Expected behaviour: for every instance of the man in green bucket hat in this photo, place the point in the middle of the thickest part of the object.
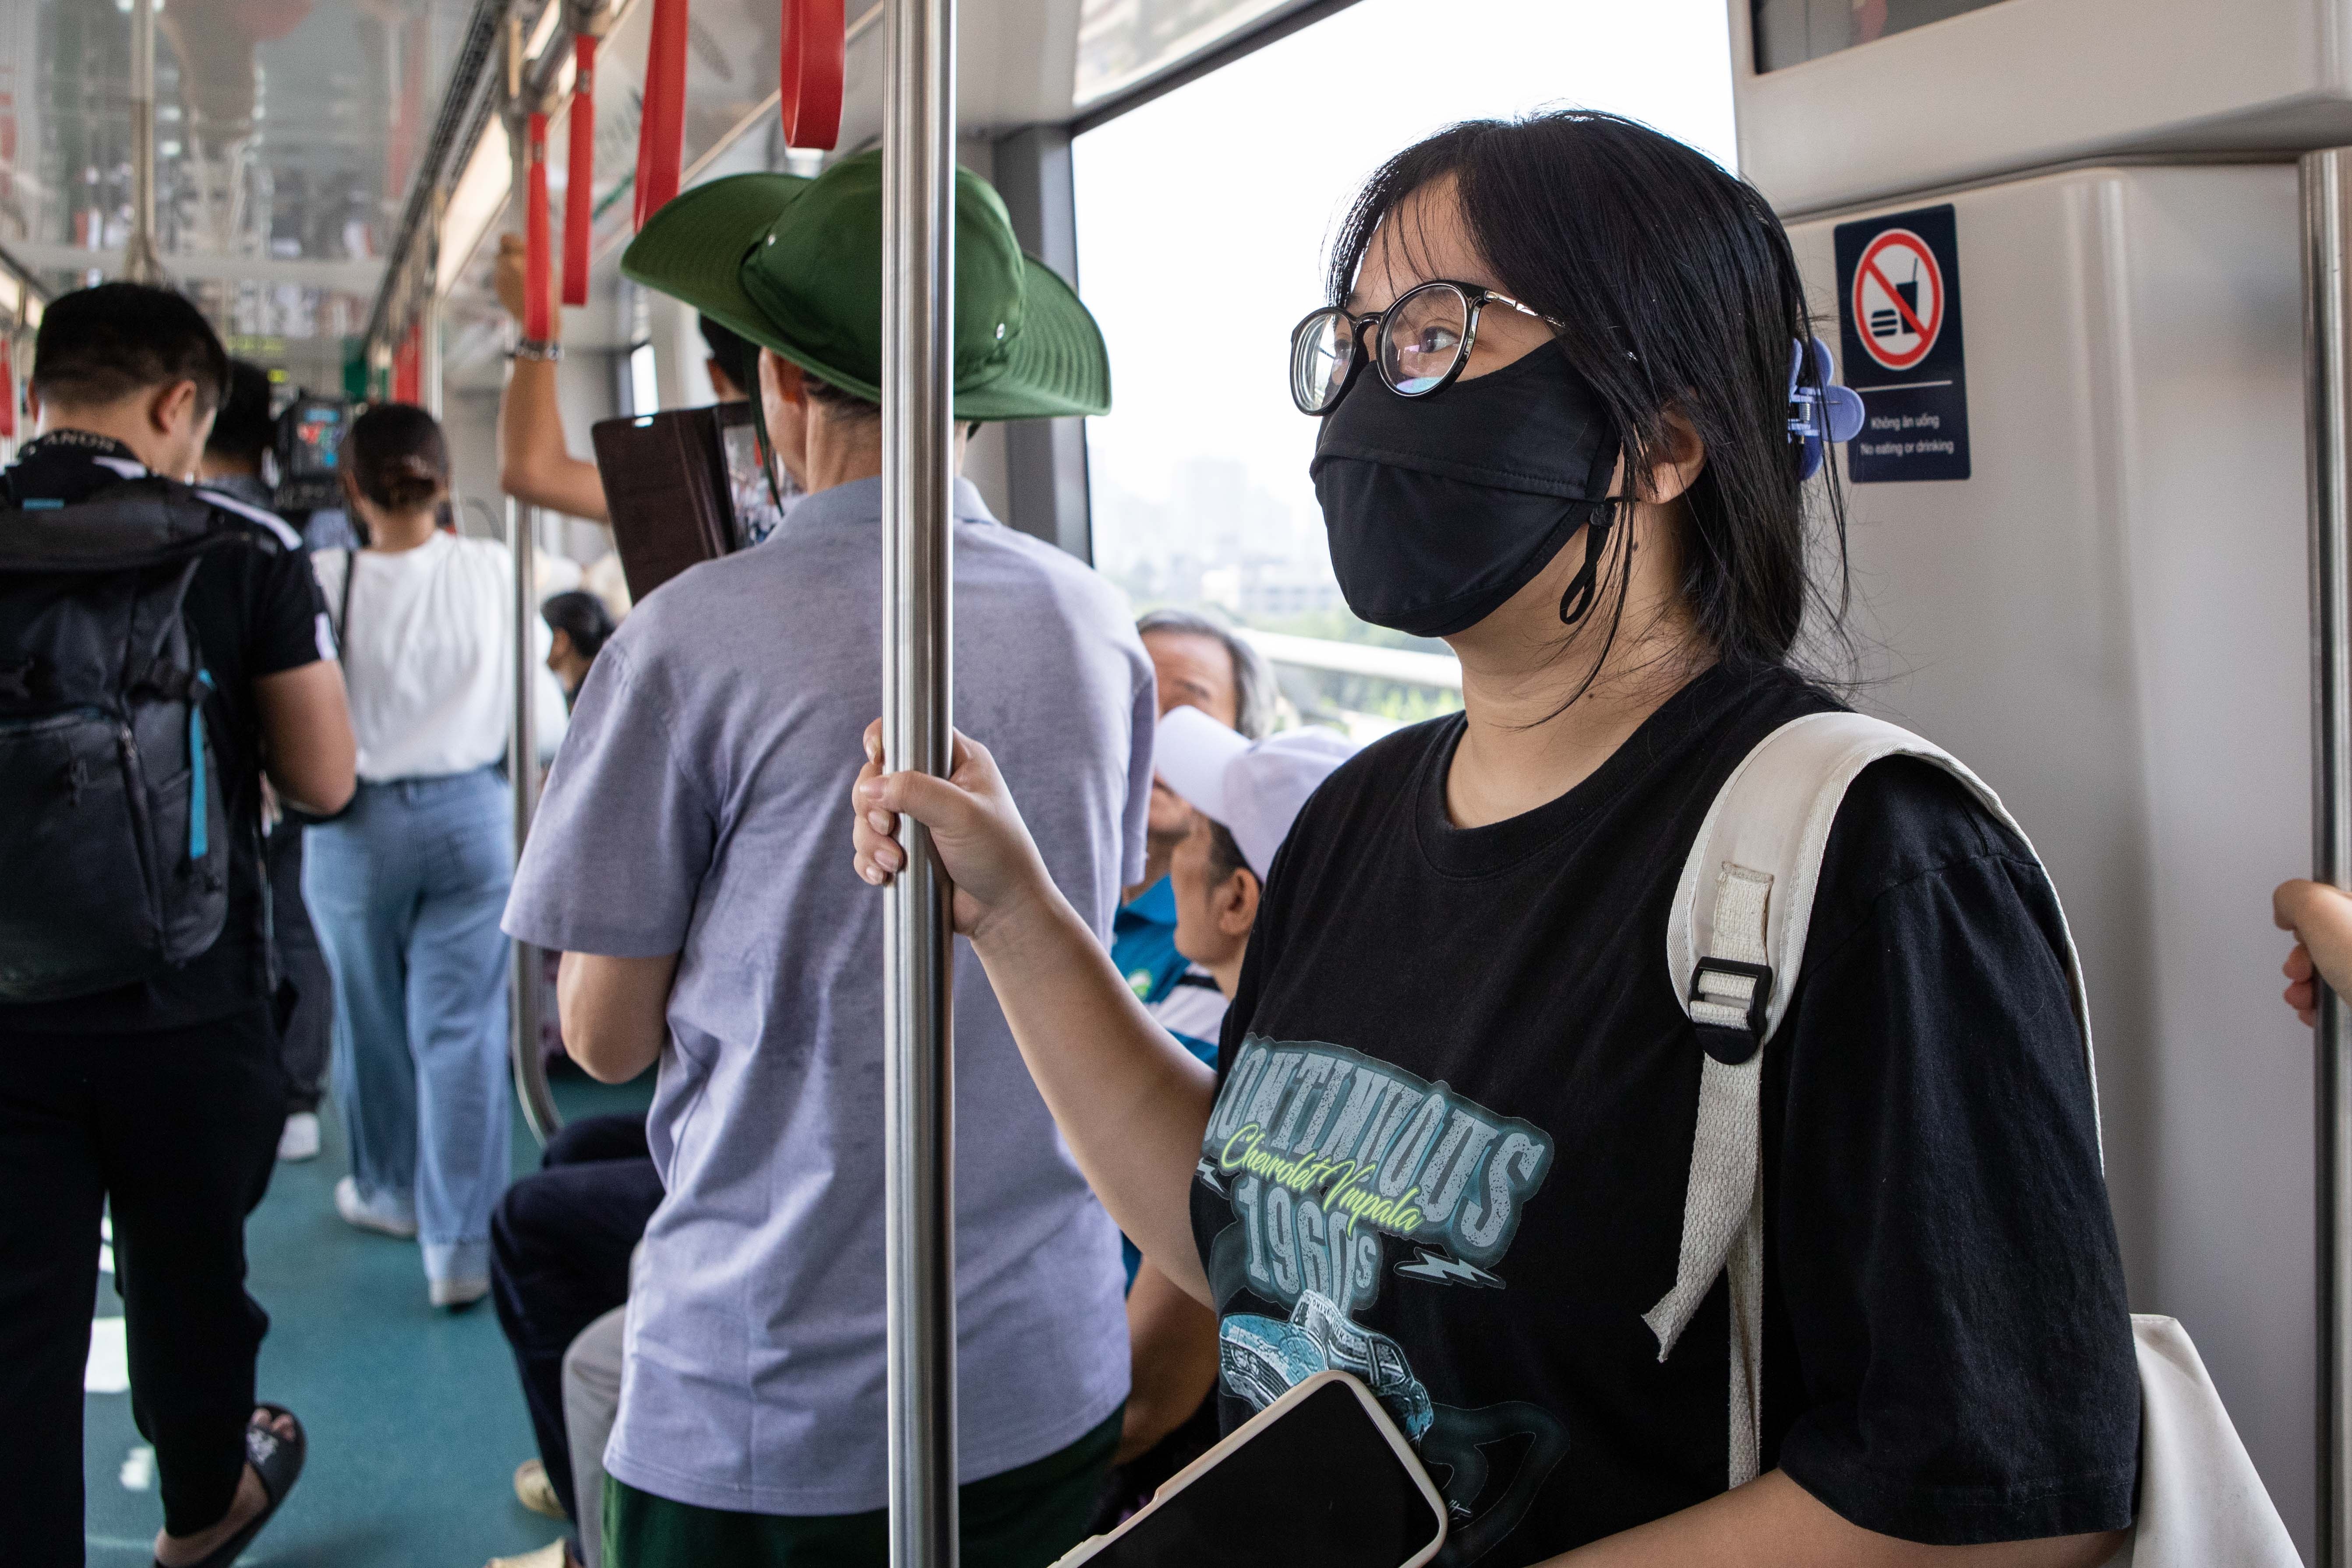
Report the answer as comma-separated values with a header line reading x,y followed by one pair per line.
x,y
796,265
687,861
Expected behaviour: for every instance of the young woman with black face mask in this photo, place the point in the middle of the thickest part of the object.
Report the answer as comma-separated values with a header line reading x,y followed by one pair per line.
x,y
1451,1133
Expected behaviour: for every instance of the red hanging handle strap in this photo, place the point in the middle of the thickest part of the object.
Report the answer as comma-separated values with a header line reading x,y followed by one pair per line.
x,y
537,318
661,138
8,387
580,171
408,366
810,75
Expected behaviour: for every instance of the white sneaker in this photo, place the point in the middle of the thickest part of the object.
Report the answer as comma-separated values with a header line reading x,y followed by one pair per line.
x,y
298,1139
535,1491
455,1292
357,1211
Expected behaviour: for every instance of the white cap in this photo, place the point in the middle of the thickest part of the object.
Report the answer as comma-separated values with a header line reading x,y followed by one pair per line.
x,y
1254,788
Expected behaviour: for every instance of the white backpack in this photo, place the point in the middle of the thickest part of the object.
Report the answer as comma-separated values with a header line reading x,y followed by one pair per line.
x,y
1735,943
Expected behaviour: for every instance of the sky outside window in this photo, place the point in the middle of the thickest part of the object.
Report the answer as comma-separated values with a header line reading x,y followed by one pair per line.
x,y
1204,219
1123,41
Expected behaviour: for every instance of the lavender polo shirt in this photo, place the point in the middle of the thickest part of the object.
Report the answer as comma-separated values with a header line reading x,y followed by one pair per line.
x,y
701,805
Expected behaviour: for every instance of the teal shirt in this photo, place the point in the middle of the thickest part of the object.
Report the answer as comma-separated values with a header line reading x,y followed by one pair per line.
x,y
1144,942
1143,945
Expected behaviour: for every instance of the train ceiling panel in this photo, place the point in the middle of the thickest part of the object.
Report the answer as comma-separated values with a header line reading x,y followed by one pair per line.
x,y
1016,64
289,134
286,133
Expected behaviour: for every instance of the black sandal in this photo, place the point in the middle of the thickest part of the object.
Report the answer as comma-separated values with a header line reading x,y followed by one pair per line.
x,y
279,1462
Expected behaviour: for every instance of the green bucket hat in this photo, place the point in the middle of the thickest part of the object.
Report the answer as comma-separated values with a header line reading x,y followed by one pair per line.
x,y
796,265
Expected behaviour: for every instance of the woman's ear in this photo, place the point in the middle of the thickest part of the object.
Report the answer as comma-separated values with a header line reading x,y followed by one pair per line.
x,y
1679,462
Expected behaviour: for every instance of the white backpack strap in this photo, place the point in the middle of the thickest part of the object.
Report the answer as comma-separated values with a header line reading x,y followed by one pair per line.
x,y
1735,943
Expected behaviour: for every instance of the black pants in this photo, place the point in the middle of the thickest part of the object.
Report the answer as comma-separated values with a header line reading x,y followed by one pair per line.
x,y
305,1027
178,1129
560,1244
1127,1487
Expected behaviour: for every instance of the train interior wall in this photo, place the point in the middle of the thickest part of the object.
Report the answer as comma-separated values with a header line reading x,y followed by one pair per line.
x,y
2107,620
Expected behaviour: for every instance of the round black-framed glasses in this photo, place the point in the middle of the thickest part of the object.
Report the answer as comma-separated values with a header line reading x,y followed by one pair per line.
x,y
1423,341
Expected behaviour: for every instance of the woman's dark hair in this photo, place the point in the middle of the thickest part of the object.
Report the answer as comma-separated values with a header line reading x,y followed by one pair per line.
x,y
581,616
1677,291
396,456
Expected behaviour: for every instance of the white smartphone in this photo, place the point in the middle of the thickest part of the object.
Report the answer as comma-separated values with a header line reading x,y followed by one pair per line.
x,y
1319,1479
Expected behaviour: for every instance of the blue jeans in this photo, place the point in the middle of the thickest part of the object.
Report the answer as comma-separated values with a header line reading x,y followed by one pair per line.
x,y
406,890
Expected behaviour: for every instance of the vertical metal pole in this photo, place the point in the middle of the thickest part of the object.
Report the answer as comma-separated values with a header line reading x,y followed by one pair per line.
x,y
2327,360
139,263
522,766
429,311
918,486
539,1109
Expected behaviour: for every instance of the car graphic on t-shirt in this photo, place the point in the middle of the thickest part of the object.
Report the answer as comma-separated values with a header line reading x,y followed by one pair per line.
x,y
1260,1359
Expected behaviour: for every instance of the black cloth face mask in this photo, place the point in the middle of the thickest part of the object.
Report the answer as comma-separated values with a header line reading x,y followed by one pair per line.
x,y
1441,508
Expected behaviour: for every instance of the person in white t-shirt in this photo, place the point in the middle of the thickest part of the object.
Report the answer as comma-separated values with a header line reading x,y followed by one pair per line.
x,y
406,887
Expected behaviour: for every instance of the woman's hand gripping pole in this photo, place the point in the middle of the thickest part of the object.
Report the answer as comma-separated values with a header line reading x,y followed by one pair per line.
x,y
1132,1103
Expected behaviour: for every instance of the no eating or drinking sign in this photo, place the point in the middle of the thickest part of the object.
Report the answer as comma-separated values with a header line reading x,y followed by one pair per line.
x,y
1899,322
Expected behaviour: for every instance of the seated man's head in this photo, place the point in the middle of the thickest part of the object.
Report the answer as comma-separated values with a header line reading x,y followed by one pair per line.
x,y
1217,895
138,364
1205,663
795,266
1242,796
242,430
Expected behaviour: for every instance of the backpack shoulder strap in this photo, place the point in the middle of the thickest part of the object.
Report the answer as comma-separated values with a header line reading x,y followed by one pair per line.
x,y
125,527
1748,884
1735,945
261,517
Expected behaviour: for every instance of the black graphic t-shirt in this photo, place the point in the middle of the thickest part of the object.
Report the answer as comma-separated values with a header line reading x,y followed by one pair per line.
x,y
1452,1136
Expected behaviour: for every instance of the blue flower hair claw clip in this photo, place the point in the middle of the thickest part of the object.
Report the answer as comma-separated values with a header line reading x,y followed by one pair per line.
x,y
1821,412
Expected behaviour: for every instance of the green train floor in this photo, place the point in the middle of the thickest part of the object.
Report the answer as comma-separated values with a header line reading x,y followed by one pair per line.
x,y
414,1417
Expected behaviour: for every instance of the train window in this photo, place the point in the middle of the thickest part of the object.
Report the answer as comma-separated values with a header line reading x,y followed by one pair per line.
x,y
644,387
1202,220
1120,42
1790,32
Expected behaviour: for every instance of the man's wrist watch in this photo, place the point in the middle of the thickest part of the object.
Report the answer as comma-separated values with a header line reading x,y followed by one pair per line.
x,y
538,348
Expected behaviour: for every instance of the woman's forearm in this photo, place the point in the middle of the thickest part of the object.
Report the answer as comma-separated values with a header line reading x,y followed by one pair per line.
x,y
1132,1103
1773,1522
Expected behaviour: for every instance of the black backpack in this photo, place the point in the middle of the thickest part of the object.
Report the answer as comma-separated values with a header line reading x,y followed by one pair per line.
x,y
114,831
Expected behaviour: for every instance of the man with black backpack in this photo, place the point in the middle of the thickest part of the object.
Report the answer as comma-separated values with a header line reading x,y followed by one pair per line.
x,y
159,649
